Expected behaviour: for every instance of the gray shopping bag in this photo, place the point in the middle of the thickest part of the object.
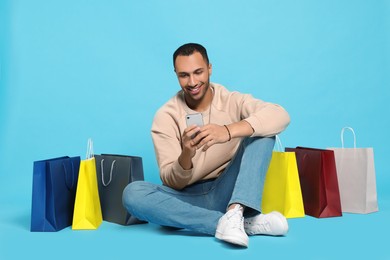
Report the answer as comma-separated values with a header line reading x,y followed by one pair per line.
x,y
114,173
356,176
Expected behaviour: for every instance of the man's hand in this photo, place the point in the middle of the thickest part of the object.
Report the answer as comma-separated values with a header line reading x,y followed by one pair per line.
x,y
195,137
216,134
211,134
189,146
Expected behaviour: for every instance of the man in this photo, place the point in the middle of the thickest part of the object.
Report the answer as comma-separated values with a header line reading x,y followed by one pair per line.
x,y
213,175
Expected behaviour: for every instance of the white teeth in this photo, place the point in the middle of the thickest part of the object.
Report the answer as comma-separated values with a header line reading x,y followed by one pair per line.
x,y
194,89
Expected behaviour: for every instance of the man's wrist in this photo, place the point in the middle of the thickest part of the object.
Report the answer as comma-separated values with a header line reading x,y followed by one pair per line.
x,y
240,129
185,163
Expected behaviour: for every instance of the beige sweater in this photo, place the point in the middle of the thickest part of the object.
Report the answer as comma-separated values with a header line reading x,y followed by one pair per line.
x,y
227,107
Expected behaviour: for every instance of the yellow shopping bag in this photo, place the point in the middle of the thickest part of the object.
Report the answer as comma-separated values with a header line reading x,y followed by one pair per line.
x,y
282,189
87,212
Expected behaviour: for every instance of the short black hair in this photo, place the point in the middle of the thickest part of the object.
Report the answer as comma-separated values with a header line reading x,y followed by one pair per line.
x,y
188,49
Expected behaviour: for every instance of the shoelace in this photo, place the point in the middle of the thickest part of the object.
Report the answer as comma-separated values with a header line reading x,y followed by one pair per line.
x,y
238,221
264,225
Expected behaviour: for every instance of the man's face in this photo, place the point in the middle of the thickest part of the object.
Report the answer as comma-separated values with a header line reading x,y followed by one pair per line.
x,y
194,76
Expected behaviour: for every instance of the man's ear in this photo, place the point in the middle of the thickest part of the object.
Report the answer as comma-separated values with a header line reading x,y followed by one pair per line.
x,y
210,68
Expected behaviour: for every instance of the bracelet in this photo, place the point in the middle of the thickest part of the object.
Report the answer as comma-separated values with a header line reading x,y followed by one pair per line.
x,y
230,137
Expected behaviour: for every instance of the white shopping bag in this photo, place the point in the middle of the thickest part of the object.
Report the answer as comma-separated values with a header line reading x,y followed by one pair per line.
x,y
356,175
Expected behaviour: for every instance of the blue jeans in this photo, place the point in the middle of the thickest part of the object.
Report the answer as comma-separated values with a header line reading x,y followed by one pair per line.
x,y
198,207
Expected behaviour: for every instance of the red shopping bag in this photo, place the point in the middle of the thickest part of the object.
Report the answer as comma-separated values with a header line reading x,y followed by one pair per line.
x,y
319,184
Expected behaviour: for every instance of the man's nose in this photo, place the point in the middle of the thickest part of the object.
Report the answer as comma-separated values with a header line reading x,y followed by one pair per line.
x,y
191,81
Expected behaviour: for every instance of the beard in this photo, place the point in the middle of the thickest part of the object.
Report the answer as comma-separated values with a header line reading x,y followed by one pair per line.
x,y
196,95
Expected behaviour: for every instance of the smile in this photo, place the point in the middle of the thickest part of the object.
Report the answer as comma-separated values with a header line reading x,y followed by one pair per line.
x,y
195,90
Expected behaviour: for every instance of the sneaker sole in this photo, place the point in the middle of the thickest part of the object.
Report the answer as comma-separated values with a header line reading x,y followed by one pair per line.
x,y
231,240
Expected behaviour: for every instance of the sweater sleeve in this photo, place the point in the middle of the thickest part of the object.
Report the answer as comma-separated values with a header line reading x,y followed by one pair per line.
x,y
167,144
266,119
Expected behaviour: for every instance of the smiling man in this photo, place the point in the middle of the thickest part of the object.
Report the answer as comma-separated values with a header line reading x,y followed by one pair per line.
x,y
212,172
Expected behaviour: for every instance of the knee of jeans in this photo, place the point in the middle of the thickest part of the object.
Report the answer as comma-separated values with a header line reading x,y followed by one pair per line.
x,y
263,141
134,193
270,141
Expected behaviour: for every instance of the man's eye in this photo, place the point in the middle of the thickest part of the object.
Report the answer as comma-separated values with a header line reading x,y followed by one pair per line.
x,y
199,72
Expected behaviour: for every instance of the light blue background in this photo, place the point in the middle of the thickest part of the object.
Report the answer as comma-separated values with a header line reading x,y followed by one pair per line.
x,y
70,70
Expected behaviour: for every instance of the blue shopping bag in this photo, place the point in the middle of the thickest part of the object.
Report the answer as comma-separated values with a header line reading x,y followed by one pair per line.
x,y
53,193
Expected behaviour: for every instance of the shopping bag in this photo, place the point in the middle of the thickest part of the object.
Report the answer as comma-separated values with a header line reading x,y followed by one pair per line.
x,y
53,193
356,176
282,189
318,178
114,173
87,211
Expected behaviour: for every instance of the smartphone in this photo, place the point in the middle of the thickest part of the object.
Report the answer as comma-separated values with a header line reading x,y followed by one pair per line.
x,y
194,119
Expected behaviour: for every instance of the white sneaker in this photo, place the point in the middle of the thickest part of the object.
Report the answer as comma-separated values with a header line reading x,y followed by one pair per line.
x,y
273,224
231,227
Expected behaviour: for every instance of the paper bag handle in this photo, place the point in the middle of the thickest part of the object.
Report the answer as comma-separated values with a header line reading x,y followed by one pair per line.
x,y
278,143
112,168
342,136
90,153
